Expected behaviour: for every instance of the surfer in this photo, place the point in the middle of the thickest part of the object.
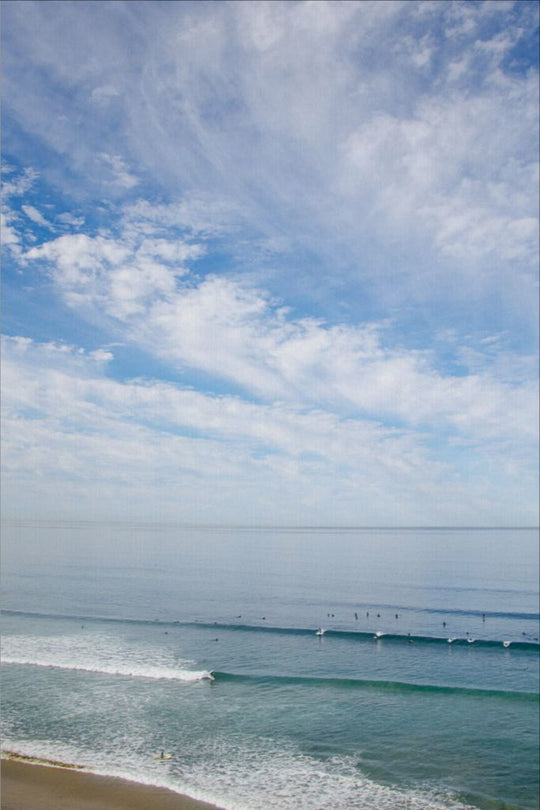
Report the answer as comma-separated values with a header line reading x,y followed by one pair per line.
x,y
356,616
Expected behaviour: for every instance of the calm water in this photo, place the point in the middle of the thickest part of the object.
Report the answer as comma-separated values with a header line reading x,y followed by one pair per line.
x,y
110,633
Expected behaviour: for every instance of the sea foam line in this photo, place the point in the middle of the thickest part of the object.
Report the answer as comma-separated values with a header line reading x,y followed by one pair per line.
x,y
152,673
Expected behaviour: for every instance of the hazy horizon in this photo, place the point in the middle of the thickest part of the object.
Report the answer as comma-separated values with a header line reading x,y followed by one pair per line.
x,y
183,525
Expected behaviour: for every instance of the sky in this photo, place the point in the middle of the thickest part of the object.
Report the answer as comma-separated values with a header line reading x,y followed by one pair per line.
x,y
271,263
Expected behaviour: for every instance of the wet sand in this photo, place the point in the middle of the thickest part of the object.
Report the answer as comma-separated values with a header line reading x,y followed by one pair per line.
x,y
28,786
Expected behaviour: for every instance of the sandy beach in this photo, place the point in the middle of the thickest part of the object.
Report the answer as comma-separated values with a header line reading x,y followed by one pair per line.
x,y
27,786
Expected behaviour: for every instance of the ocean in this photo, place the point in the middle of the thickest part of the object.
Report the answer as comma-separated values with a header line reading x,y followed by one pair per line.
x,y
296,669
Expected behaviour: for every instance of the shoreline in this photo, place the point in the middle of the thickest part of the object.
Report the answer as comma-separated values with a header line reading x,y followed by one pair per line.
x,y
28,783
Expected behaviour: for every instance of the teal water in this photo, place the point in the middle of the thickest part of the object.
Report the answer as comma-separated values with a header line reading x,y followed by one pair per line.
x,y
111,633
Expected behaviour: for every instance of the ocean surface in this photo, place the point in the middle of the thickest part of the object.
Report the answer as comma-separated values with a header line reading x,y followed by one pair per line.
x,y
120,641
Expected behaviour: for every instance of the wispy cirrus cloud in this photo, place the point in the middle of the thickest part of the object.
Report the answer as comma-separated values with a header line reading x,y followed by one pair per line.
x,y
289,111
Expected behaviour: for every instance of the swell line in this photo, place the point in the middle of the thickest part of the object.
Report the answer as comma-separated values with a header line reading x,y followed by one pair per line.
x,y
357,683
444,640
529,644
265,681
370,636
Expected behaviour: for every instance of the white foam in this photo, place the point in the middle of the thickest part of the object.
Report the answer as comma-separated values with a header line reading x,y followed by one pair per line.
x,y
96,653
265,776
250,778
227,768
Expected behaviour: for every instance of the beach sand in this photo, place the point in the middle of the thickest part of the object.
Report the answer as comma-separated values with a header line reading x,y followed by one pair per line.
x,y
28,786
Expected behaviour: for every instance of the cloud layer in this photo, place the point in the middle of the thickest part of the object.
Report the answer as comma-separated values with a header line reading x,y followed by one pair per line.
x,y
272,262
173,451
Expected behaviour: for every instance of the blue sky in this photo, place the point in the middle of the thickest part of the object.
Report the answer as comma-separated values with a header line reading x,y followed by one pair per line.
x,y
271,263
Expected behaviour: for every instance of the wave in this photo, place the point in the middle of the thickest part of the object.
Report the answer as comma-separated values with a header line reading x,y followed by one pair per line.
x,y
257,681
98,653
130,671
419,639
526,643
358,683
370,636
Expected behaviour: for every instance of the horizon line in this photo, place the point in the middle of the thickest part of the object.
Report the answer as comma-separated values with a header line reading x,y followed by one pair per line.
x,y
194,525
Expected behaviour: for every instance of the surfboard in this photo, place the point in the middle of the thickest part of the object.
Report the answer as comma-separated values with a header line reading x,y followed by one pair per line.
x,y
163,756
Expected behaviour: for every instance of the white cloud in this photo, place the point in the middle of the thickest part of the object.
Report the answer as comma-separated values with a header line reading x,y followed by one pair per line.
x,y
203,215
36,216
10,236
69,428
71,220
271,106
14,185
455,173
103,94
117,274
376,160
119,174
233,331
19,184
